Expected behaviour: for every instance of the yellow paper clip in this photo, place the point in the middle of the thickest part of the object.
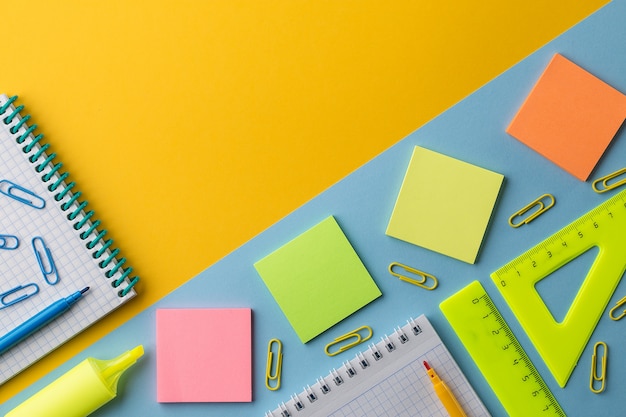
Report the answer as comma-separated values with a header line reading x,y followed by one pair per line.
x,y
619,304
594,369
423,276
272,379
354,334
541,208
605,181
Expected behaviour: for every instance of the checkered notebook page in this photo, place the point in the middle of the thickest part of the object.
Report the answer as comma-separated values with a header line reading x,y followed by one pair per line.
x,y
31,220
396,384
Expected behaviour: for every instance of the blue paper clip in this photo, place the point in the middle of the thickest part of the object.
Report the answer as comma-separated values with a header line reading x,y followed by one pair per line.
x,y
9,242
50,268
21,194
8,298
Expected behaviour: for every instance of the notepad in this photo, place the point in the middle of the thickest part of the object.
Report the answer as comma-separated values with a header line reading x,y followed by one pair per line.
x,y
51,245
204,355
444,204
569,117
388,379
317,279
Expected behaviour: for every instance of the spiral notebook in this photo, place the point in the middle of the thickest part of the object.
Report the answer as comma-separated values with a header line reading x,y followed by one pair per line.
x,y
51,245
388,379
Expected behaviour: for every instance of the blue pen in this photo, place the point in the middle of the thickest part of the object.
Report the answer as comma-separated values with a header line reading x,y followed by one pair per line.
x,y
39,320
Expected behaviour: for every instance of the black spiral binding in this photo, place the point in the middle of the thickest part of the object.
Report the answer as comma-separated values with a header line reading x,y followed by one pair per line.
x,y
72,200
337,377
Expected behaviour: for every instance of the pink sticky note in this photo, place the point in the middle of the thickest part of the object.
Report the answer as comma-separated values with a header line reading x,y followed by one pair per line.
x,y
570,117
204,355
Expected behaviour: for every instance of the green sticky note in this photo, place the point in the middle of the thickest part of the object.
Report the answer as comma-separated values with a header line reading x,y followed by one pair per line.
x,y
444,204
317,279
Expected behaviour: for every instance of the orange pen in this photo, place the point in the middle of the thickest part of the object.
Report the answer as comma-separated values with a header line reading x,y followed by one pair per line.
x,y
445,395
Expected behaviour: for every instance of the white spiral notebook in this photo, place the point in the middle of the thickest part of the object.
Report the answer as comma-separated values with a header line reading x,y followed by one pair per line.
x,y
388,379
51,245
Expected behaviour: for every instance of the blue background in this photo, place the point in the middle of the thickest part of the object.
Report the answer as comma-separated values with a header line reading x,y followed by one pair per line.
x,y
473,131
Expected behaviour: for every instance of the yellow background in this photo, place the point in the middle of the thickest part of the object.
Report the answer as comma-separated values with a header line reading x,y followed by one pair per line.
x,y
192,126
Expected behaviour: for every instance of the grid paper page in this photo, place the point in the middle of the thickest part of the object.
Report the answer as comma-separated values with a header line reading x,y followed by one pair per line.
x,y
394,385
74,263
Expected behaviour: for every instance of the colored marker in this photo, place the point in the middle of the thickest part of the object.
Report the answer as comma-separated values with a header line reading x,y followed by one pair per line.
x,y
39,320
445,395
81,390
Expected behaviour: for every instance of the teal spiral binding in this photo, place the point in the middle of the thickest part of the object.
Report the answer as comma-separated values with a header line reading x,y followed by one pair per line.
x,y
73,207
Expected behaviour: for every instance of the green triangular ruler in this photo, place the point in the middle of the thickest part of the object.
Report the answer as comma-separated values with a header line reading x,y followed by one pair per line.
x,y
560,344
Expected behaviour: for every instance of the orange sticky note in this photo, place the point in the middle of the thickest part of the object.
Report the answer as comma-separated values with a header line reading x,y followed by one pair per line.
x,y
204,355
570,117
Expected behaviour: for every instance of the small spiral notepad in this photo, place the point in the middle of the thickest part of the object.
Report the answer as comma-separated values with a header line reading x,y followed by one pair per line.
x,y
388,379
51,245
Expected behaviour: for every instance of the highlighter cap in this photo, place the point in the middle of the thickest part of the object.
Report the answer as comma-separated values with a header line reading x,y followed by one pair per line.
x,y
82,390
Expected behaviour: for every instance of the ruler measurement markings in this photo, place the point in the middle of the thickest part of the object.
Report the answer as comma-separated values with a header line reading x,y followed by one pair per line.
x,y
506,351
603,227
560,238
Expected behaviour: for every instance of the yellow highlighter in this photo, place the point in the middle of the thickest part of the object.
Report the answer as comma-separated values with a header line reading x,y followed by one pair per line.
x,y
445,395
82,390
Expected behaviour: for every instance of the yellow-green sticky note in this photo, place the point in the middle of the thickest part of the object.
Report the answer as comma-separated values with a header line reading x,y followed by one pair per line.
x,y
444,204
317,279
